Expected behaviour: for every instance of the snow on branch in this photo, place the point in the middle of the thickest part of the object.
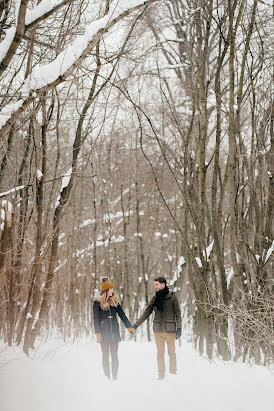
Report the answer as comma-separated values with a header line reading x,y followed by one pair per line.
x,y
113,203
98,243
65,182
14,36
43,10
6,43
11,191
171,66
31,17
50,75
269,252
206,255
6,214
178,270
208,250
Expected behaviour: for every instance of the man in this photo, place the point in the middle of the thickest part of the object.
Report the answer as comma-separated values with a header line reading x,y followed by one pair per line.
x,y
167,324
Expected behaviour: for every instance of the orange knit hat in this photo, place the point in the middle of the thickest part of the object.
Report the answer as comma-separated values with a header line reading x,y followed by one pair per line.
x,y
106,284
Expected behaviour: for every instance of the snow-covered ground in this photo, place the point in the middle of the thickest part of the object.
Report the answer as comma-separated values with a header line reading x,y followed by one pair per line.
x,y
68,377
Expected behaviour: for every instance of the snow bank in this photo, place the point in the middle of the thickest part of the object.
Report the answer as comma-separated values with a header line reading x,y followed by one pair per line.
x,y
69,377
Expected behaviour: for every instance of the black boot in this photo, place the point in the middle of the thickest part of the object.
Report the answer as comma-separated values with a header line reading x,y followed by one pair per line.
x,y
114,374
114,369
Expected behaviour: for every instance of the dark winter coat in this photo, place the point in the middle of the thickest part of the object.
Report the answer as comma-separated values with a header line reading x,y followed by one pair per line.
x,y
106,322
166,320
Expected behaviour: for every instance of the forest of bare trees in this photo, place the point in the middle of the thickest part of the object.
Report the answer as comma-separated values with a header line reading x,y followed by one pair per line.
x,y
136,140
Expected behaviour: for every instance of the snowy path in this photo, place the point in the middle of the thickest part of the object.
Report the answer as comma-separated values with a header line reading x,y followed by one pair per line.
x,y
70,379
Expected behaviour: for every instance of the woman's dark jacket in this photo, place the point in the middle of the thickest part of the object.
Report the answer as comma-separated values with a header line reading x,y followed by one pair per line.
x,y
106,322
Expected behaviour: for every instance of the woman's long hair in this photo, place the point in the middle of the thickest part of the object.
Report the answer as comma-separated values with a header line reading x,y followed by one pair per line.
x,y
107,300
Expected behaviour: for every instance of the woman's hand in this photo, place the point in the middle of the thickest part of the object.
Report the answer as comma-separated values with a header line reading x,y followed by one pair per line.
x,y
99,337
132,330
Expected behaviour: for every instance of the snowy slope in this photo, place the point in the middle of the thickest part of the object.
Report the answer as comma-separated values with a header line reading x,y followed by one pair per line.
x,y
69,378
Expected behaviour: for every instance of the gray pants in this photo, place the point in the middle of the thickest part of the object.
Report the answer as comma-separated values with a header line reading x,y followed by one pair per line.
x,y
110,347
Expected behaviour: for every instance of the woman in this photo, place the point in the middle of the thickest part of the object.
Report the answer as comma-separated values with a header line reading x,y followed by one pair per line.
x,y
105,309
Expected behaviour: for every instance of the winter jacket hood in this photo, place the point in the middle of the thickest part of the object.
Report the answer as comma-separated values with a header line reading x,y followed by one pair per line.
x,y
97,296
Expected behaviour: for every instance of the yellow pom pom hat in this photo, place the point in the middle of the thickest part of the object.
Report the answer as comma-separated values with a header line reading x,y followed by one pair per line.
x,y
106,284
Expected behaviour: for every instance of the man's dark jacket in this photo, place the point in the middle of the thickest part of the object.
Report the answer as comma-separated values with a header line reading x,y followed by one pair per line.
x,y
166,320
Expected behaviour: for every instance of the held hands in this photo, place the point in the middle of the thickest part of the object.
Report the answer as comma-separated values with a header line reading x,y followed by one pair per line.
x,y
132,330
178,333
99,337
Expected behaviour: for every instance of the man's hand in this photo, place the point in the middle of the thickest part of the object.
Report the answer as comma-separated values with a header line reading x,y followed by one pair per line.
x,y
99,337
132,330
178,333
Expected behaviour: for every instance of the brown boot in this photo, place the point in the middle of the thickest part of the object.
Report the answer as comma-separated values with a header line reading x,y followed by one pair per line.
x,y
161,376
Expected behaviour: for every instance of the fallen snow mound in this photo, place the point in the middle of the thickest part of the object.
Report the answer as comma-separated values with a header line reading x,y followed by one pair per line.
x,y
68,377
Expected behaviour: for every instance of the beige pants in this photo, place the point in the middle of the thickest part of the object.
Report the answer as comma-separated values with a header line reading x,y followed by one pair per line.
x,y
161,339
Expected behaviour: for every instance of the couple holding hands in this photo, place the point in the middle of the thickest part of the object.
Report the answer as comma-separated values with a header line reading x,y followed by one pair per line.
x,y
167,325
